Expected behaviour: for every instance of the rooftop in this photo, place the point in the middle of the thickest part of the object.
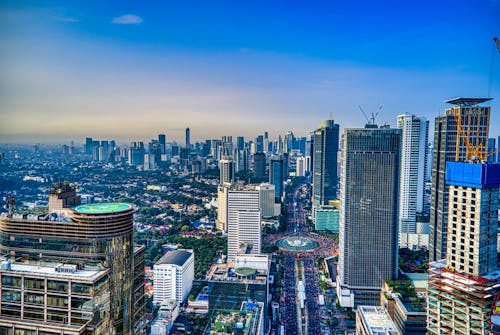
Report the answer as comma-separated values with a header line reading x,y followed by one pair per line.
x,y
102,208
51,270
377,321
176,257
467,101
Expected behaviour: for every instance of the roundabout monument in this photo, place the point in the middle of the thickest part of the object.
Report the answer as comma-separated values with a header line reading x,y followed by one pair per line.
x,y
297,244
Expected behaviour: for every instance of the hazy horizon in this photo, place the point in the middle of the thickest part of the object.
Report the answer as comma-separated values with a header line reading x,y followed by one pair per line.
x,y
129,71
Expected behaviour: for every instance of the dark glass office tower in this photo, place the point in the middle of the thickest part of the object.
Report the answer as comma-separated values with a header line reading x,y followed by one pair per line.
x,y
94,240
325,148
369,195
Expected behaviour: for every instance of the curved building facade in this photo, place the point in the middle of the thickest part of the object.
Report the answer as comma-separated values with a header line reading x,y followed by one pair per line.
x,y
88,237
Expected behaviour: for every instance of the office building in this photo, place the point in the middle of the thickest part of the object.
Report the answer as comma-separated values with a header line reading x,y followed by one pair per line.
x,y
415,136
406,307
259,166
162,139
325,148
371,320
173,276
92,247
450,146
188,139
369,194
277,176
267,205
226,171
464,289
232,283
243,222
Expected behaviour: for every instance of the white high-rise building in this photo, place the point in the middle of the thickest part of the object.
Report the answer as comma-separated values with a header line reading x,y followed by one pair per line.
x,y
243,221
226,166
415,135
267,205
173,276
301,167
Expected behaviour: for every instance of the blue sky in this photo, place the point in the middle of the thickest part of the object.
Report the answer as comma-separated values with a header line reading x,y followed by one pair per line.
x,y
132,69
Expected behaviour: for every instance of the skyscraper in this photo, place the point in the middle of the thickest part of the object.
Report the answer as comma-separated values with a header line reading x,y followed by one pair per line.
x,y
475,121
243,222
259,166
369,195
463,294
162,139
188,138
415,134
325,148
79,266
277,176
227,169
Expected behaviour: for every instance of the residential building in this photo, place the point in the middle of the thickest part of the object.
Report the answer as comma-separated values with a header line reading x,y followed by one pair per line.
x,y
415,135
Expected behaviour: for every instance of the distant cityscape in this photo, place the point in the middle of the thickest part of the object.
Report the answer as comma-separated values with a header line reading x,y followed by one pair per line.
x,y
370,230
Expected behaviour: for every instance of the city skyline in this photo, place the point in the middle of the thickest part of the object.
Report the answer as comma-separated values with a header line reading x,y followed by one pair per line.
x,y
76,70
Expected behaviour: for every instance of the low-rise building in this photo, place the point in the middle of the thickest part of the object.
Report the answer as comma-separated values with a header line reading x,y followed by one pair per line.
x,y
374,320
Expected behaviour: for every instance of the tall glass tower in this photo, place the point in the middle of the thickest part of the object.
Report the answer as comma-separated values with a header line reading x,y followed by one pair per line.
x,y
87,244
325,148
368,229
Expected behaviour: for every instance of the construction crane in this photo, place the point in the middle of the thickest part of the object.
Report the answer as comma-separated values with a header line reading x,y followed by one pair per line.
x,y
370,120
476,150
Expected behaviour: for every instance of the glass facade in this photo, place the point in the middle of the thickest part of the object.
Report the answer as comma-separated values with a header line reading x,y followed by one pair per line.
x,y
101,241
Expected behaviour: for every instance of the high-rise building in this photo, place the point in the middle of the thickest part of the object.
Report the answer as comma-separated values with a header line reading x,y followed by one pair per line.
x,y
464,289
75,270
162,139
277,176
240,142
415,134
300,170
267,205
243,222
325,148
449,146
369,195
259,166
173,276
492,148
227,170
188,139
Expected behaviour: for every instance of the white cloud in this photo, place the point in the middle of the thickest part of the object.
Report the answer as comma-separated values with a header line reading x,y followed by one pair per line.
x,y
127,19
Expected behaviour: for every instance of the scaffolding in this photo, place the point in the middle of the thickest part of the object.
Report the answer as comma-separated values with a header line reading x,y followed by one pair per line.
x,y
459,304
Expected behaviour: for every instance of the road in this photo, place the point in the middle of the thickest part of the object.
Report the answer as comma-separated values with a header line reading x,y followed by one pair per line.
x,y
308,321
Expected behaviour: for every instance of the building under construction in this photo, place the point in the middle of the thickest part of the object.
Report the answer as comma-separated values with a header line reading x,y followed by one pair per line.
x,y
464,288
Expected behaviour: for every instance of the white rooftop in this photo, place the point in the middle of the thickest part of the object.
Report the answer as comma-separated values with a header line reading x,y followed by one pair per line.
x,y
51,271
377,321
